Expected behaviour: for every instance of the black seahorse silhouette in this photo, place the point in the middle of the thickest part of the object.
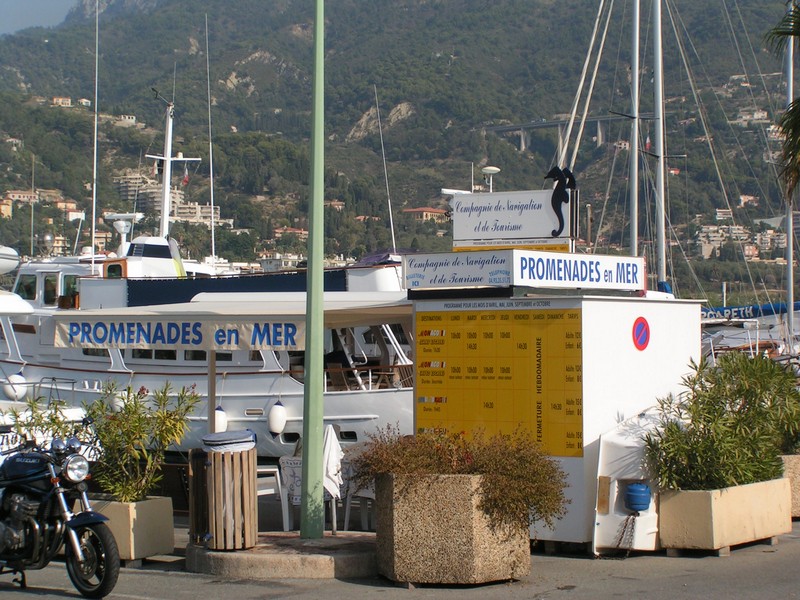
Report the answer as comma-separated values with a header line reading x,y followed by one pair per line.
x,y
571,185
560,196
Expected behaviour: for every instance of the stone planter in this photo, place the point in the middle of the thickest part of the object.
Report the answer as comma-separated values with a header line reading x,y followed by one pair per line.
x,y
719,519
791,470
430,530
141,529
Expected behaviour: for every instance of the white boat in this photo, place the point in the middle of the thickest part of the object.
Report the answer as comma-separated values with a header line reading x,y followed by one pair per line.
x,y
367,340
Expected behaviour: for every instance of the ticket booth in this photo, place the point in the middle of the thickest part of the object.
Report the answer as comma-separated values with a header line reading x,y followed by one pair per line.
x,y
567,345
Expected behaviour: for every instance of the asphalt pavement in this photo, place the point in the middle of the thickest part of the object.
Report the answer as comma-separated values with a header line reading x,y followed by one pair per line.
x,y
753,571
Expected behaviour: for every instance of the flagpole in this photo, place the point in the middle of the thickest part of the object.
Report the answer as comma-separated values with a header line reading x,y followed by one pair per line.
x,y
312,515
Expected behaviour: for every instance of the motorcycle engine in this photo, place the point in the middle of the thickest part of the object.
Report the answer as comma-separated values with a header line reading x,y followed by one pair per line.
x,y
18,509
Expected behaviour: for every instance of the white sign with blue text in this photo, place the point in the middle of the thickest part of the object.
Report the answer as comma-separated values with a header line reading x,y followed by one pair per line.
x,y
156,333
528,268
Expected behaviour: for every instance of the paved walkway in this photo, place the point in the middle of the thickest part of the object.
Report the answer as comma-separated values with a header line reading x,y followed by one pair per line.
x,y
752,571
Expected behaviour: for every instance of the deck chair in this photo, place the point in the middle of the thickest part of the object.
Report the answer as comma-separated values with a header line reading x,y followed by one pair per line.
x,y
292,482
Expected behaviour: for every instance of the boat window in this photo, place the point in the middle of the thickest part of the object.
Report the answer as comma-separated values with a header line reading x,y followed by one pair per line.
x,y
114,271
255,356
224,356
194,355
26,286
70,285
50,288
95,352
149,251
400,333
141,353
166,355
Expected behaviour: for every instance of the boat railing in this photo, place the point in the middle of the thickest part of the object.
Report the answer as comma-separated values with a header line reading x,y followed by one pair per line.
x,y
48,390
367,378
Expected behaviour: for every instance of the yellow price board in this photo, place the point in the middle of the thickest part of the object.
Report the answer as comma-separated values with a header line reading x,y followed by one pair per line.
x,y
500,369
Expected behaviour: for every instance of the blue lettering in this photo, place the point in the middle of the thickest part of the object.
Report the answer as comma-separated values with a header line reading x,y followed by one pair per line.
x,y
100,332
143,333
197,331
86,332
158,334
289,331
219,337
116,333
173,333
74,329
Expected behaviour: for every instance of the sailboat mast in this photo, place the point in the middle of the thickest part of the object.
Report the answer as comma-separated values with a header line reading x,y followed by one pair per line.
x,y
790,205
633,171
658,89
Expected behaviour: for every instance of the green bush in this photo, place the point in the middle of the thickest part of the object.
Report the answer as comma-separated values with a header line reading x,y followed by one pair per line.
x,y
520,484
43,421
728,427
134,430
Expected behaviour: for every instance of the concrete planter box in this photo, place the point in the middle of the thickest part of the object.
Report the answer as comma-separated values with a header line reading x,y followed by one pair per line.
x,y
719,519
430,530
141,529
791,470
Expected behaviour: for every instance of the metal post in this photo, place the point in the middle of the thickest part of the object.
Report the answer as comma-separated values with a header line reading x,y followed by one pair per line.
x,y
633,170
312,510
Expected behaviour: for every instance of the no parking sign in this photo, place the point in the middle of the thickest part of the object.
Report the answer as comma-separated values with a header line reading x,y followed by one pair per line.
x,y
641,333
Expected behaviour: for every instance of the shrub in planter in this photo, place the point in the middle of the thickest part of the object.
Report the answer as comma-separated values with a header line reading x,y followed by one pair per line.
x,y
728,427
134,430
457,509
724,433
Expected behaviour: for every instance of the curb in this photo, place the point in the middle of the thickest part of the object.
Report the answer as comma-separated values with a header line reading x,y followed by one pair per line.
x,y
289,559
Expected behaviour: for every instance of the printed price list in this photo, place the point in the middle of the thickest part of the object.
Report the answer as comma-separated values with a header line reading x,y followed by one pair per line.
x,y
498,369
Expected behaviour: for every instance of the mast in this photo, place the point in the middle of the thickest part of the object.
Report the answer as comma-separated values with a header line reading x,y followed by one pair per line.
x,y
633,171
790,206
166,160
658,89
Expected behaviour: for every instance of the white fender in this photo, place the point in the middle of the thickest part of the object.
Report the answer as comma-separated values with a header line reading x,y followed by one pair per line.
x,y
220,420
277,418
16,387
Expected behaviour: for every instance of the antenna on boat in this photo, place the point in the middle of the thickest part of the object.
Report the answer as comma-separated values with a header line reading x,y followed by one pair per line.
x,y
210,157
96,117
385,172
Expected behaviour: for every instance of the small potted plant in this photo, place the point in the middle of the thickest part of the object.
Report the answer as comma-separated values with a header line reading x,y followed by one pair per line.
x,y
457,509
134,429
715,454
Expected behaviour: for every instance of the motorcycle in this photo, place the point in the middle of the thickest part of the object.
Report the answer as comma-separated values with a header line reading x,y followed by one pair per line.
x,y
38,489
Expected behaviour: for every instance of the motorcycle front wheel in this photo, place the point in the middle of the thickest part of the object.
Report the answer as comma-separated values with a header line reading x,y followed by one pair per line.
x,y
97,575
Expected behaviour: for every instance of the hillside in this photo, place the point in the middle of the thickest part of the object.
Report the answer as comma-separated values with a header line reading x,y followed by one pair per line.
x,y
444,72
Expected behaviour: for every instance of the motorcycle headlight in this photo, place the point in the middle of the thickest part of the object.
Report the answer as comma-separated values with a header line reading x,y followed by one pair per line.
x,y
76,468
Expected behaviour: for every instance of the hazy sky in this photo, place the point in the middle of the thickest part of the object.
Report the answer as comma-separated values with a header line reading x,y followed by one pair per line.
x,y
19,14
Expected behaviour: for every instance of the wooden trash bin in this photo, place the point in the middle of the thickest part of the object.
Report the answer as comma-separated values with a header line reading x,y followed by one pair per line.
x,y
223,509
232,502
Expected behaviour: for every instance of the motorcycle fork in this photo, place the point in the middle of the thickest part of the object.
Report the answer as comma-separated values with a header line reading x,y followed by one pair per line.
x,y
66,514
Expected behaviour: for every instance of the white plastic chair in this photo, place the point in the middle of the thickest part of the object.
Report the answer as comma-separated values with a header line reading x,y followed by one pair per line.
x,y
292,482
364,496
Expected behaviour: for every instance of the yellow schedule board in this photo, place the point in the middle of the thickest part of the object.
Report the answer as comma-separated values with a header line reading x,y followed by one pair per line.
x,y
500,369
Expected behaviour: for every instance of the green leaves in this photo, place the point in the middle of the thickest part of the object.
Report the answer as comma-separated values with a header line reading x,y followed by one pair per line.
x,y
135,429
729,426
